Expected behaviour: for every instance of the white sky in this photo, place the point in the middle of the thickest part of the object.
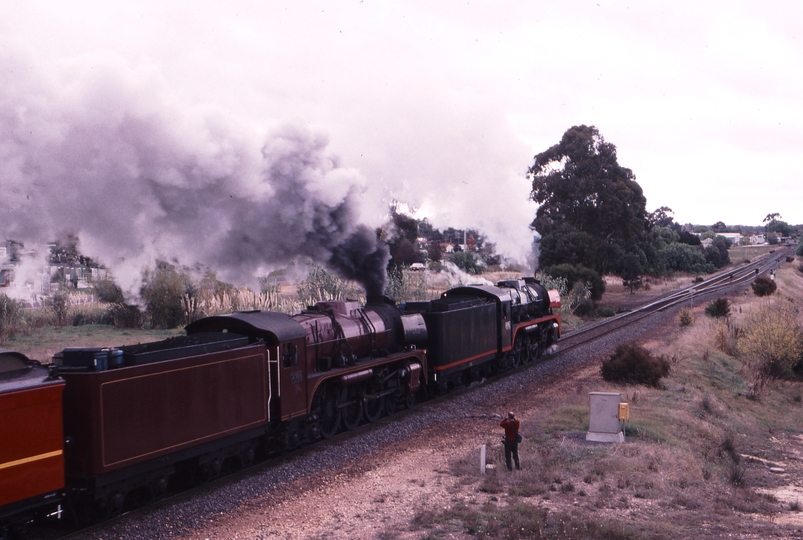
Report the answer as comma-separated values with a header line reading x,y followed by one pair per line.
x,y
443,105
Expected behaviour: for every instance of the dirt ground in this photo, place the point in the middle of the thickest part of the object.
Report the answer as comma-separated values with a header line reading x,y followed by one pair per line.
x,y
384,501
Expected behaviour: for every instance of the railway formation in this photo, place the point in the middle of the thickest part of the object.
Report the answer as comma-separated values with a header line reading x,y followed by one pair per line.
x,y
701,291
698,292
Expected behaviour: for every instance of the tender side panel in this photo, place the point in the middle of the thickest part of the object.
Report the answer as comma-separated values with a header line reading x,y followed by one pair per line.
x,y
31,457
461,335
130,415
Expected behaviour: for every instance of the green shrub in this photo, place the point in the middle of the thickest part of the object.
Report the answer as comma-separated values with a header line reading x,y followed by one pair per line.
x,y
773,341
763,286
10,317
162,291
726,337
633,364
577,273
90,314
720,307
606,312
321,285
108,291
579,299
59,304
405,285
553,283
685,317
125,316
467,262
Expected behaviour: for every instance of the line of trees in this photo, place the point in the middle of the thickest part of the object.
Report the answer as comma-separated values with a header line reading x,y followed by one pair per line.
x,y
593,218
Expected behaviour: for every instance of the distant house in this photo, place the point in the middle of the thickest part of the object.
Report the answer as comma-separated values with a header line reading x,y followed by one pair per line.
x,y
6,267
757,240
733,237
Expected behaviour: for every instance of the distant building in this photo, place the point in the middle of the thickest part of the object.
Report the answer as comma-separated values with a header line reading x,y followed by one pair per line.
x,y
757,240
735,238
6,266
57,272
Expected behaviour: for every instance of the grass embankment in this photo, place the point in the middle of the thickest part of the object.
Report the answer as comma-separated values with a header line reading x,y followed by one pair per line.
x,y
704,457
740,254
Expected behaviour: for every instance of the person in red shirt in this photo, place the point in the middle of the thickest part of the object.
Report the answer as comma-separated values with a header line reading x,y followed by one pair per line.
x,y
511,440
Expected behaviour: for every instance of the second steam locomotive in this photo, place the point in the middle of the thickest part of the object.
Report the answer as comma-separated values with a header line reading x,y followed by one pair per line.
x,y
115,426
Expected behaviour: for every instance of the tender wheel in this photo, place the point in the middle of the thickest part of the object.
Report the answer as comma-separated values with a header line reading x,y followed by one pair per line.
x,y
329,413
351,411
410,401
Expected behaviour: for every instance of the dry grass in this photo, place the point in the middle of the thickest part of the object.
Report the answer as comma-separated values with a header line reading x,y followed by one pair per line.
x,y
686,469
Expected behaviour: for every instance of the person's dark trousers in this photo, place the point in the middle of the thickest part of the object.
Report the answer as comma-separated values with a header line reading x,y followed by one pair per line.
x,y
512,448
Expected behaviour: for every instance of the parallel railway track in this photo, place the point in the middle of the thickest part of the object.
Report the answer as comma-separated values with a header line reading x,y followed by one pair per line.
x,y
721,283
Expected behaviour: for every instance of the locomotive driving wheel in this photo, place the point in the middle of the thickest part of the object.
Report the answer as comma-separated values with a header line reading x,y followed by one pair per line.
x,y
533,349
547,338
328,412
519,353
351,408
390,404
374,407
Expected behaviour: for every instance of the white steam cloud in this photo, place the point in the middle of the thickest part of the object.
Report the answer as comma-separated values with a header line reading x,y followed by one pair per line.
x,y
103,151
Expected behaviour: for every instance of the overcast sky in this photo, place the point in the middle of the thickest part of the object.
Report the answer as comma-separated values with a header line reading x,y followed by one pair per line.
x,y
441,105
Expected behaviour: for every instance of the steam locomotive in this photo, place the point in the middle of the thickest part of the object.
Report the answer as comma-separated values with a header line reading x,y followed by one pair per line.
x,y
104,428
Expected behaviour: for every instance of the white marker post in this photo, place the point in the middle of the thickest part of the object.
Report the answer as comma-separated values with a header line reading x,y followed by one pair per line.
x,y
482,459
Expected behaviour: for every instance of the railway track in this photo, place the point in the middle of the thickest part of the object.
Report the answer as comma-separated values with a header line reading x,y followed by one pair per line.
x,y
718,284
698,292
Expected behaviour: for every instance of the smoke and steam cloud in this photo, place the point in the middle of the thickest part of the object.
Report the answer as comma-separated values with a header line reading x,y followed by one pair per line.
x,y
104,152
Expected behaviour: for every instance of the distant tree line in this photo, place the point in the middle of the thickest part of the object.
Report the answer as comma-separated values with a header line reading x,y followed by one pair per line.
x,y
593,220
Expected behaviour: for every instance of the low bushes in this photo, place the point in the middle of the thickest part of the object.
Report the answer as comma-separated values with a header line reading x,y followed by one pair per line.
x,y
773,341
10,316
763,286
125,316
606,312
579,274
720,307
685,317
633,364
